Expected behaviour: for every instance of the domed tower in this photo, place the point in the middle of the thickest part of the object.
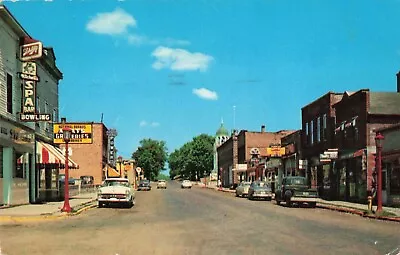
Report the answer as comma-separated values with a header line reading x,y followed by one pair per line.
x,y
221,136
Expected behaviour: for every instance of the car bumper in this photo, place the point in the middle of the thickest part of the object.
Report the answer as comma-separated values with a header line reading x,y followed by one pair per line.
x,y
114,200
184,187
262,195
144,188
304,199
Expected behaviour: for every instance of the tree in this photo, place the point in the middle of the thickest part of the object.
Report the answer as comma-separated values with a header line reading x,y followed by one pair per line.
x,y
194,158
151,156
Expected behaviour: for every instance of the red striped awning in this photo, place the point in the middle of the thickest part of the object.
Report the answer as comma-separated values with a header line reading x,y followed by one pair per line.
x,y
49,154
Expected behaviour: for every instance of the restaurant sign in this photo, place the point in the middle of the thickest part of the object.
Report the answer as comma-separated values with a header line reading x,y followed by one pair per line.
x,y
82,133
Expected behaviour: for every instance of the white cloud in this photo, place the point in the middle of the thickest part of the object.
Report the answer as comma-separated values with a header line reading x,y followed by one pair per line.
x,y
180,59
142,39
111,23
155,124
205,94
144,123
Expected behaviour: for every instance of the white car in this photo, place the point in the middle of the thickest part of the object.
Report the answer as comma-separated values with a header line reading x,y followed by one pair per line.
x,y
162,184
186,184
116,191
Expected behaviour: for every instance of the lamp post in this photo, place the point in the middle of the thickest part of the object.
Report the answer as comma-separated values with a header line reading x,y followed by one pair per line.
x,y
379,144
120,166
66,137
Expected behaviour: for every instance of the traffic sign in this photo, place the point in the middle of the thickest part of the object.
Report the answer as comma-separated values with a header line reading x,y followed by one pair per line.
x,y
138,170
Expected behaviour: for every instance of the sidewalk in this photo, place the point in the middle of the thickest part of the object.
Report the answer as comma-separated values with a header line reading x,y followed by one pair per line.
x,y
50,208
348,207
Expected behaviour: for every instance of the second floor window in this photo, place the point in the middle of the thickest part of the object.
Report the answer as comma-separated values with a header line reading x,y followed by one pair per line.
x,y
324,127
9,93
307,133
312,132
318,129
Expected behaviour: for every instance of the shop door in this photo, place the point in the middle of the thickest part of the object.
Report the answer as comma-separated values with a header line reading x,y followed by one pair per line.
x,y
384,186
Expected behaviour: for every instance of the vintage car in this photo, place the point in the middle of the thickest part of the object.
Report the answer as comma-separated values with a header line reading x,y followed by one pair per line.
x,y
162,184
295,189
144,185
116,191
186,184
259,190
242,190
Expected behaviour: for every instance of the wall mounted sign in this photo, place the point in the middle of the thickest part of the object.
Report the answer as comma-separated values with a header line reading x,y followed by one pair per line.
x,y
29,78
82,133
29,71
31,51
275,151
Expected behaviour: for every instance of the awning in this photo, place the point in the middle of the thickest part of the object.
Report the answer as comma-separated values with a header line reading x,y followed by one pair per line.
x,y
49,154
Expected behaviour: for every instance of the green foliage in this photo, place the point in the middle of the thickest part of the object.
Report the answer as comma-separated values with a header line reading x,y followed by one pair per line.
x,y
151,156
162,176
193,158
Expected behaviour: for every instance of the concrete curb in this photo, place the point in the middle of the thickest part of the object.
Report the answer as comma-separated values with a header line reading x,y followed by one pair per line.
x,y
39,218
340,209
357,212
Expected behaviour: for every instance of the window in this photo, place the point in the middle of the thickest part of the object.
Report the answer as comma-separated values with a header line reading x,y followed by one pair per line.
x,y
356,134
318,129
324,127
312,131
9,93
307,133
55,115
37,106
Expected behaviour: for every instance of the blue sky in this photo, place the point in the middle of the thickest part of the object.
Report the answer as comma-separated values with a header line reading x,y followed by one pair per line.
x,y
171,70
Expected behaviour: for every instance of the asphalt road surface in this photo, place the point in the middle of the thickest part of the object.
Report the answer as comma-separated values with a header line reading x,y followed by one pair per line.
x,y
202,221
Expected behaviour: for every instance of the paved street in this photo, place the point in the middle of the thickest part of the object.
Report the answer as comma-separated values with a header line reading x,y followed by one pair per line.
x,y
202,221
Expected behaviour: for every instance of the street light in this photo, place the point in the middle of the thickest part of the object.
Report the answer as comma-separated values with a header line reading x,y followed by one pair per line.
x,y
120,165
67,132
379,144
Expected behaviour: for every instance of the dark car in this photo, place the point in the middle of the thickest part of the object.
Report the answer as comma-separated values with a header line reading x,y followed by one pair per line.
x,y
144,185
295,189
259,190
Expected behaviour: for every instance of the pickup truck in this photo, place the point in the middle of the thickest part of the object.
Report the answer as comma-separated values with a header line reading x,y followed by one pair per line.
x,y
294,189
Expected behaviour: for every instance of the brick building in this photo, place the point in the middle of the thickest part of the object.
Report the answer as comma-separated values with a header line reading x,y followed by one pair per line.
x,y
292,155
358,115
318,125
248,148
92,158
391,165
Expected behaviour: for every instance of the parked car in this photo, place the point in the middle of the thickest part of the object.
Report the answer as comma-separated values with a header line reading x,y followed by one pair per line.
x,y
87,180
144,185
61,179
186,184
260,190
242,190
162,184
116,191
295,189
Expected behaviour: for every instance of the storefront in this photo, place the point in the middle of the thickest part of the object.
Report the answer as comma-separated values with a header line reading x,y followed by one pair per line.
x,y
16,180
50,160
350,176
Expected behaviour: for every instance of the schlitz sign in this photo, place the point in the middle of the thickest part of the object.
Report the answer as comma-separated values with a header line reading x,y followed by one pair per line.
x,y
31,51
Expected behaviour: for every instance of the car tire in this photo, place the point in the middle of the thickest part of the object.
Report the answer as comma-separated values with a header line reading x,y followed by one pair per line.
x,y
100,205
278,202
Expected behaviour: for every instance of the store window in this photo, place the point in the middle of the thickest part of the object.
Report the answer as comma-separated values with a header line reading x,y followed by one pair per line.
x,y
9,93
395,181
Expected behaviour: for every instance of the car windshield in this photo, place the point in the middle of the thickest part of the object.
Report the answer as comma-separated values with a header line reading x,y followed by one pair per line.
x,y
108,183
261,184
